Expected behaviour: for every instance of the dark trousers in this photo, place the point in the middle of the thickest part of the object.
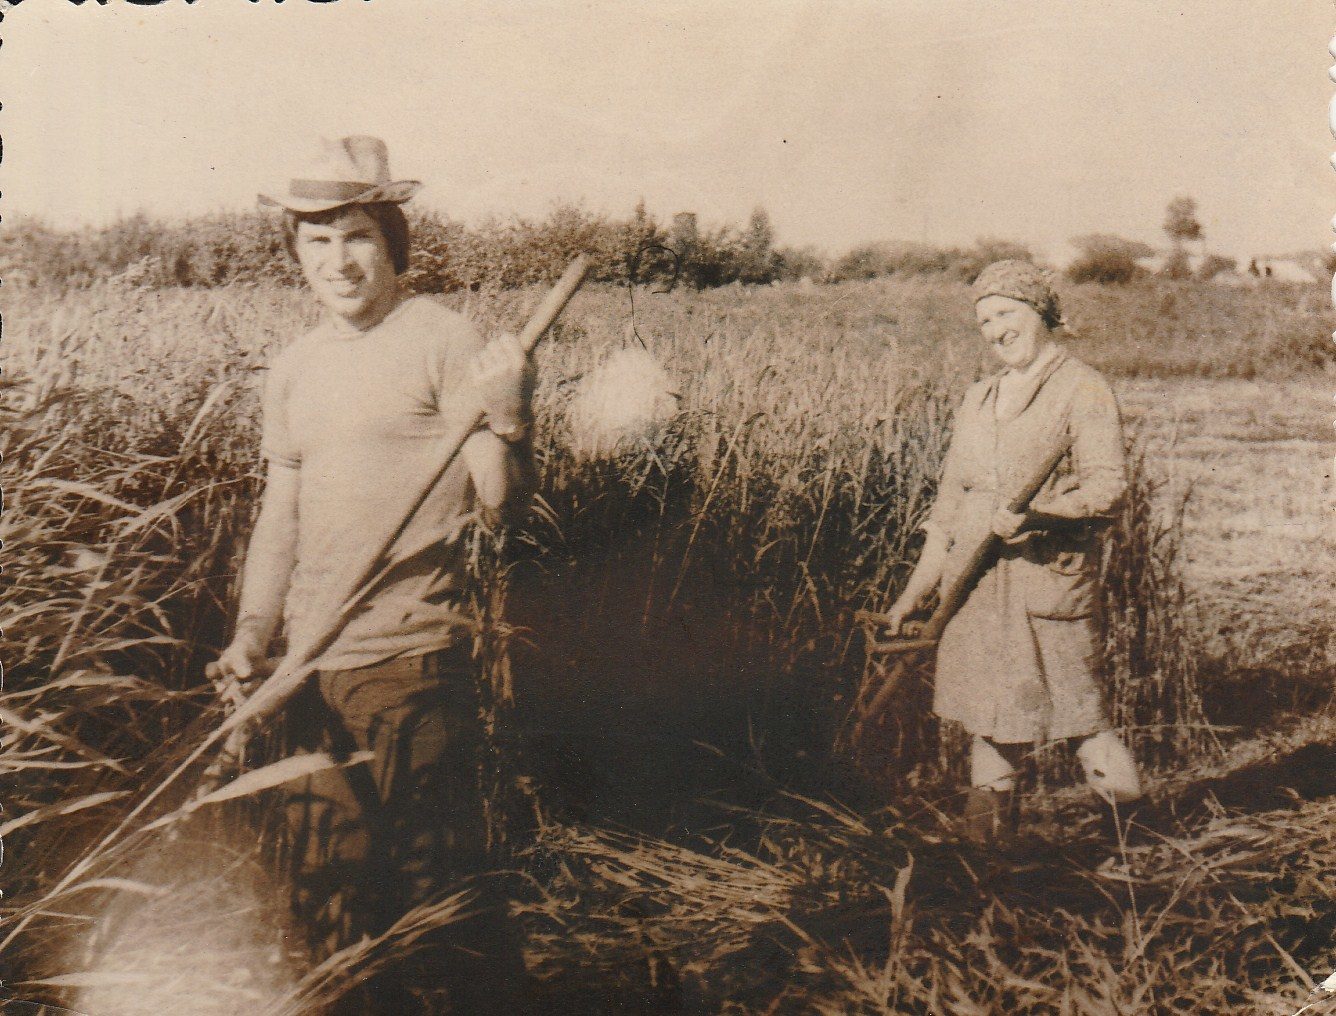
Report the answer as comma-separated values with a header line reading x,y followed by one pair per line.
x,y
371,841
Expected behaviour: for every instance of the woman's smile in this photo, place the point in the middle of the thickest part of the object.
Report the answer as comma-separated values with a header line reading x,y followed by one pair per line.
x,y
1014,331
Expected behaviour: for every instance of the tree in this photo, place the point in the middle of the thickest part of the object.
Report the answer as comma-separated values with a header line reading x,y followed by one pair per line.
x,y
643,228
1214,264
865,262
1180,221
802,263
1178,265
1107,259
641,243
759,263
716,259
971,261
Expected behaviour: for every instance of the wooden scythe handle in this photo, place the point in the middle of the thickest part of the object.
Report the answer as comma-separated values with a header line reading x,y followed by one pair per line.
x,y
976,562
360,579
870,705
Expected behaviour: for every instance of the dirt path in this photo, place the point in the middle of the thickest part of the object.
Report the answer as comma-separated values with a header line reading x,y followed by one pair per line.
x,y
1260,533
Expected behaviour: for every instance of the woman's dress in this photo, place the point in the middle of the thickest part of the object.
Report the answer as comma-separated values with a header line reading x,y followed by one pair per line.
x,y
1017,663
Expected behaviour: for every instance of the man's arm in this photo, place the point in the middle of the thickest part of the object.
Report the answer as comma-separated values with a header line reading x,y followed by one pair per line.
x,y
500,457
264,586
504,476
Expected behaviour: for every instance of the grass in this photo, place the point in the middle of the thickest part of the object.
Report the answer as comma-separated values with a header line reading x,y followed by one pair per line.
x,y
1167,329
1255,460
697,589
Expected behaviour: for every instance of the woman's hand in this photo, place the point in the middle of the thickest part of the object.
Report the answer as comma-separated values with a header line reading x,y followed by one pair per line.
x,y
240,663
893,621
1006,524
503,377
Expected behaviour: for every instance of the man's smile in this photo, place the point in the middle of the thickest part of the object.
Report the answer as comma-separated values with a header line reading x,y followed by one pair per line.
x,y
343,286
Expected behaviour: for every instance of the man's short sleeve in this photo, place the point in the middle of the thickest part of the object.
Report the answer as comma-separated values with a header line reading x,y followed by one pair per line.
x,y
276,441
456,341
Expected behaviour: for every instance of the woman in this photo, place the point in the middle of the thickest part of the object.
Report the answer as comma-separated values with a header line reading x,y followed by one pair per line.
x,y
1016,665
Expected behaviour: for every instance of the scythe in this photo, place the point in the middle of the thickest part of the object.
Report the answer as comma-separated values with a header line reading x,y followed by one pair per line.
x,y
359,579
880,681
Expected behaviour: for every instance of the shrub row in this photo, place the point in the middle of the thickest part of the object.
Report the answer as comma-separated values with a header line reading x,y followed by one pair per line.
x,y
225,248
221,249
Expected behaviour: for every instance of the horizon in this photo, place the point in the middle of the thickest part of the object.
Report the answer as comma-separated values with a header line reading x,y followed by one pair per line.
x,y
850,123
1061,259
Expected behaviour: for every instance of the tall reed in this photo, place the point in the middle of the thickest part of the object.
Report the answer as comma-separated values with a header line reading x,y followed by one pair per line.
x,y
695,589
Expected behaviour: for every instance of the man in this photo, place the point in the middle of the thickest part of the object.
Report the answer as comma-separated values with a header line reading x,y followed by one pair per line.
x,y
354,413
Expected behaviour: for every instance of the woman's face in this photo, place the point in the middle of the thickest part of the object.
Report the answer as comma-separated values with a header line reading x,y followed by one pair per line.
x,y
1014,331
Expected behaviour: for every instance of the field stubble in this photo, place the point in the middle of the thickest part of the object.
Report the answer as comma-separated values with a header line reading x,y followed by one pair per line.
x,y
1254,460
697,589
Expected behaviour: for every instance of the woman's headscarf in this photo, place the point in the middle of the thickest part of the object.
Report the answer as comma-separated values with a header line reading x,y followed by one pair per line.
x,y
1023,281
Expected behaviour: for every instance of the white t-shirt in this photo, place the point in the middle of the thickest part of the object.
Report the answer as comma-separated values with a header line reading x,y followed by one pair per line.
x,y
361,415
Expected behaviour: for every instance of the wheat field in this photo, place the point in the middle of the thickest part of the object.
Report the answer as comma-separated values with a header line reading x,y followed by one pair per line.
x,y
681,649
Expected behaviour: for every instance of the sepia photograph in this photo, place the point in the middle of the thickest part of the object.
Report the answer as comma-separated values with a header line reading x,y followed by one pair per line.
x,y
590,507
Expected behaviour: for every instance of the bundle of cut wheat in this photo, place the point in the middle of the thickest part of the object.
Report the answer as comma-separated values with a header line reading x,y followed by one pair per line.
x,y
625,400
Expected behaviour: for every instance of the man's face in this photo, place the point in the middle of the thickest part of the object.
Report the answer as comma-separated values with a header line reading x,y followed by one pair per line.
x,y
1014,331
348,266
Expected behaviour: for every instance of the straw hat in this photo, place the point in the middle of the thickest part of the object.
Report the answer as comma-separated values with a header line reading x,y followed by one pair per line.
x,y
345,171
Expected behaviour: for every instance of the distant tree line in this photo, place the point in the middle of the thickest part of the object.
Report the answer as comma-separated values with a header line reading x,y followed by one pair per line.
x,y
247,247
890,259
216,250
1112,260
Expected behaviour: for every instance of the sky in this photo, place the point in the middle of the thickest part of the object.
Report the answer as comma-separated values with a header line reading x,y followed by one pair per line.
x,y
848,120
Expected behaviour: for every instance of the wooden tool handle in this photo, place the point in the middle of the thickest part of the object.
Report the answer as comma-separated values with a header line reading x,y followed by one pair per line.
x,y
1039,477
870,704
953,596
361,579
554,303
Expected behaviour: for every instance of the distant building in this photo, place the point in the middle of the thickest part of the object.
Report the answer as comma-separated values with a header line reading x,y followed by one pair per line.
x,y
685,233
1288,269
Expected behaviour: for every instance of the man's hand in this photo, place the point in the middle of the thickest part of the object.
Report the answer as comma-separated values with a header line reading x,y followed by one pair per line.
x,y
502,375
1006,524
